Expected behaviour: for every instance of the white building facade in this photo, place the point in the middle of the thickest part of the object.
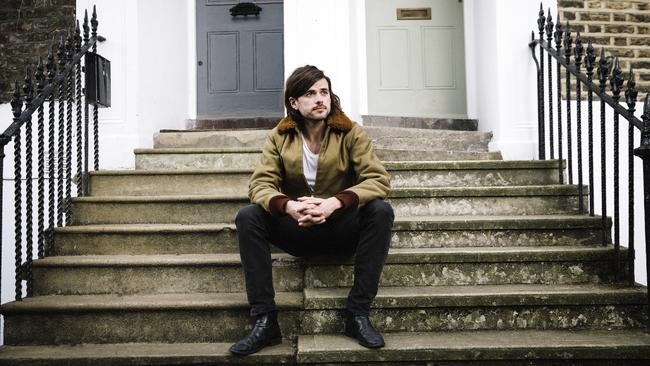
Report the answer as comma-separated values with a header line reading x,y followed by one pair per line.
x,y
153,53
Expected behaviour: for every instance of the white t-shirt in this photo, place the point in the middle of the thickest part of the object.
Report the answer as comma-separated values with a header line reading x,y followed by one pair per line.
x,y
309,164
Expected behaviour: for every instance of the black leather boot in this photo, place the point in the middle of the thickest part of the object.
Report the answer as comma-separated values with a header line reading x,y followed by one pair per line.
x,y
266,332
359,327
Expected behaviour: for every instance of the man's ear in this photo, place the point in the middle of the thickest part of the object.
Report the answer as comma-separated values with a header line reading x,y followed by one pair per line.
x,y
293,102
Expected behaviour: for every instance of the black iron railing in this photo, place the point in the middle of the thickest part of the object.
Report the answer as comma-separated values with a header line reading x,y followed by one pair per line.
x,y
569,63
58,81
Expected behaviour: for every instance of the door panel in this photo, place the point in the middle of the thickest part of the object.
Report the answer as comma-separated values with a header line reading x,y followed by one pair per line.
x,y
223,64
240,59
416,67
268,59
394,66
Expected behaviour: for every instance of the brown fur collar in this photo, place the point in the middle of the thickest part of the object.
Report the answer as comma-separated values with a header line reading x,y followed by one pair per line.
x,y
337,121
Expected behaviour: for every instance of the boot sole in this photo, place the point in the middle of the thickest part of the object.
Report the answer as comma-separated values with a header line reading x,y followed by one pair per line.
x,y
272,342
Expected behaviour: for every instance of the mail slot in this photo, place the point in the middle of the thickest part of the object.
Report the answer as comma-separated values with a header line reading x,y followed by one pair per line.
x,y
98,80
413,13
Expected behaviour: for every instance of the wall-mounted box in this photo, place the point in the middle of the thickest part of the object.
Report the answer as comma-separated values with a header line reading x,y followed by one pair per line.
x,y
98,80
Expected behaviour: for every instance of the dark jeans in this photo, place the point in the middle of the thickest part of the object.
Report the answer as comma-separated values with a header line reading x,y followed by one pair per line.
x,y
365,231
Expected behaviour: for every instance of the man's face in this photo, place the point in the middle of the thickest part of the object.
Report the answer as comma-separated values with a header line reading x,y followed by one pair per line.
x,y
315,104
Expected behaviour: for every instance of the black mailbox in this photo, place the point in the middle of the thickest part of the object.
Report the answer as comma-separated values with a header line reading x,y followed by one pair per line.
x,y
98,80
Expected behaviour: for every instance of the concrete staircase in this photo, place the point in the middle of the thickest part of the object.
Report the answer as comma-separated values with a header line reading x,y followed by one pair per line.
x,y
491,263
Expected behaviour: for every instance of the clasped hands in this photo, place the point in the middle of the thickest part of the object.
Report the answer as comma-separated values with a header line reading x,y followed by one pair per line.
x,y
309,211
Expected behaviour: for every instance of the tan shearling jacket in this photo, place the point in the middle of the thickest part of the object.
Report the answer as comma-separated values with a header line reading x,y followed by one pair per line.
x,y
347,167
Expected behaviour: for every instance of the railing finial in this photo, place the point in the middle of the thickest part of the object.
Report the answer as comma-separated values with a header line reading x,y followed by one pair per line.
x,y
616,81
28,88
77,38
60,54
541,21
40,76
567,42
549,27
603,70
558,33
94,22
579,50
590,57
86,27
50,66
631,92
16,101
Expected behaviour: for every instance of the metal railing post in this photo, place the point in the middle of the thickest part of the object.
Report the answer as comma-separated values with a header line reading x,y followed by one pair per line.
x,y
643,152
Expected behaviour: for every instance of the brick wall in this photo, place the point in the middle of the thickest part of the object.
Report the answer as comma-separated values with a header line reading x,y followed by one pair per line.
x,y
27,27
621,27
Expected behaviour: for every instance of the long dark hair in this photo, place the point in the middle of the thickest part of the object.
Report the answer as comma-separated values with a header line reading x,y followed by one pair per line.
x,y
299,82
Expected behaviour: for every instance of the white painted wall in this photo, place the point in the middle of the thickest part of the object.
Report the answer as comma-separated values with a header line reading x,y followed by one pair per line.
x,y
326,35
498,33
151,45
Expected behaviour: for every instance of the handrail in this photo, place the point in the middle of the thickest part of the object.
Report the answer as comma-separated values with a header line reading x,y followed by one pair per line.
x,y
37,102
60,85
590,84
562,36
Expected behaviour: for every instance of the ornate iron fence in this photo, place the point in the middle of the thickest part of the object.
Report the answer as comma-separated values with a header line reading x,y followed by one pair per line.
x,y
569,62
58,81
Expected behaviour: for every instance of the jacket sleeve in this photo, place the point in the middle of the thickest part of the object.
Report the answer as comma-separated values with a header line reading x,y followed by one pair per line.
x,y
372,179
264,184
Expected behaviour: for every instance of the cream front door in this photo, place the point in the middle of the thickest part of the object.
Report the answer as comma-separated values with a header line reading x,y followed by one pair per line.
x,y
416,65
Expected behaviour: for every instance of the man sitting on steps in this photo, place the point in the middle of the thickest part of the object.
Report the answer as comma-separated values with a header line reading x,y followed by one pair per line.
x,y
318,190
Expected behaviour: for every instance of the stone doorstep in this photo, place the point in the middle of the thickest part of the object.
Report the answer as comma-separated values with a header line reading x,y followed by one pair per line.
x,y
395,256
419,223
140,354
333,348
389,165
403,175
68,275
183,318
209,160
413,192
334,298
480,345
515,200
483,295
408,232
255,137
456,124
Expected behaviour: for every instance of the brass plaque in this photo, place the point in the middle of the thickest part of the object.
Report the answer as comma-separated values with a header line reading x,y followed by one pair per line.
x,y
413,13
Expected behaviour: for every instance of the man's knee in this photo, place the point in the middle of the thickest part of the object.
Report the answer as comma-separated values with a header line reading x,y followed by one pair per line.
x,y
248,214
379,209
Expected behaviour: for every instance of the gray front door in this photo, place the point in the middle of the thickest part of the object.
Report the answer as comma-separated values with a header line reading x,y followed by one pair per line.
x,y
240,59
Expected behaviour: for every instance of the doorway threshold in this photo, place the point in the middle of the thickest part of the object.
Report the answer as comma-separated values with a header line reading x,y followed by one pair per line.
x,y
431,123
234,122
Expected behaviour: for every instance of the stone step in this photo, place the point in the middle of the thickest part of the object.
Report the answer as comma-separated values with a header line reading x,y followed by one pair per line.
x,y
475,266
167,318
456,201
248,158
155,274
421,122
403,175
252,138
143,354
485,307
514,200
492,348
414,232
383,137
435,155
